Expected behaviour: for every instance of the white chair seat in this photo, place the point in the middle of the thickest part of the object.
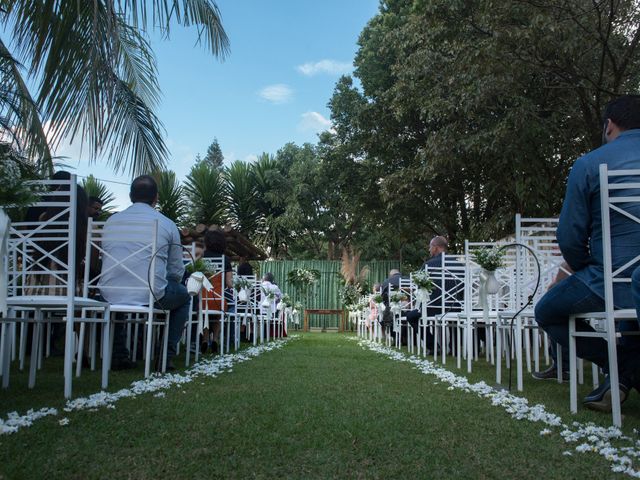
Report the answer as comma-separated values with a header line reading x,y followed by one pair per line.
x,y
51,301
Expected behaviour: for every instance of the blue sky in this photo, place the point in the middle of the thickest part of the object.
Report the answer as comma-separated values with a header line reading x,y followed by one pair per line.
x,y
273,88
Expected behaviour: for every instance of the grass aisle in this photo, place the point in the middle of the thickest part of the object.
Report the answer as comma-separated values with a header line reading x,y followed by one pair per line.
x,y
321,407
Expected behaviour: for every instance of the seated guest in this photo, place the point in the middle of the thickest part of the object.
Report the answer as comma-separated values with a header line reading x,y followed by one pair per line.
x,y
169,269
438,247
580,239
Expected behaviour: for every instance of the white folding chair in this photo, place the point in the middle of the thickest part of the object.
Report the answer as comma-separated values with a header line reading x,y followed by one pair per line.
x,y
539,235
619,197
491,314
121,245
214,303
441,312
41,278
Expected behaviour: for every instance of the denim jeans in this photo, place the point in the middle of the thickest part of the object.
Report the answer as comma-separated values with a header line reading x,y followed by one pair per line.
x,y
176,300
552,314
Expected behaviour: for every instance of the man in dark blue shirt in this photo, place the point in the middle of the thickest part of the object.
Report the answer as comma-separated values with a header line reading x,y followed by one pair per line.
x,y
580,239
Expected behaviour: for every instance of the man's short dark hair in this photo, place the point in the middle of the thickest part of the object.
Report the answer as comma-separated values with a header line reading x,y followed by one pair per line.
x,y
215,242
93,200
624,111
144,189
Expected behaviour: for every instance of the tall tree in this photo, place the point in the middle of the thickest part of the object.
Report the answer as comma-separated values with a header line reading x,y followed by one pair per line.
x,y
469,112
95,74
214,154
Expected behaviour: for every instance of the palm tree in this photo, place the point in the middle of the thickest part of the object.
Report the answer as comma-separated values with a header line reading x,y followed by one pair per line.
x,y
272,233
95,74
242,206
95,188
171,196
206,193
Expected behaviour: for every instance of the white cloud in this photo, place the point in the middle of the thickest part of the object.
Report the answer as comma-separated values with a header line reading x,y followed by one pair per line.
x,y
315,122
251,158
331,67
278,93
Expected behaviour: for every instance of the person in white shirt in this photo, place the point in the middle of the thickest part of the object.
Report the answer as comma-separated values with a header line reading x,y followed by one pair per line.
x,y
169,292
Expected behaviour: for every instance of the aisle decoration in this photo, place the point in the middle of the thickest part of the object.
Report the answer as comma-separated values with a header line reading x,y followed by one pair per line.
x,y
242,285
590,438
424,287
489,260
156,383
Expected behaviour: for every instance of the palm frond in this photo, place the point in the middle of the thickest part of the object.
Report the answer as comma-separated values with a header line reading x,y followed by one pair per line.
x,y
19,116
95,188
203,14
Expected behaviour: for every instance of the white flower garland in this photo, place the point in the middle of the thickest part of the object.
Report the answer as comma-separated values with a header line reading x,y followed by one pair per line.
x,y
210,367
594,438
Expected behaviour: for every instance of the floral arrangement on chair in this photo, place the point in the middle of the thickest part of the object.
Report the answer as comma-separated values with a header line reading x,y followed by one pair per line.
x,y
241,283
489,259
422,281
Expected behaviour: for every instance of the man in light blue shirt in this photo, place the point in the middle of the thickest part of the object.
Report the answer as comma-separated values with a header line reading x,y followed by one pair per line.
x,y
580,239
169,292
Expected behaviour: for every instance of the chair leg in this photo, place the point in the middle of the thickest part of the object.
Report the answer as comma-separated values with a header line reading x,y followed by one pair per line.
x,y
134,350
148,345
527,347
536,350
573,383
92,346
35,347
498,357
23,343
188,340
48,341
519,353
559,361
106,354
6,365
80,349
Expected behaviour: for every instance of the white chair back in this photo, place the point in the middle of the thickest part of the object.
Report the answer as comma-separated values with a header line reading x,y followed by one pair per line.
x,y
128,257
449,293
42,259
539,234
620,199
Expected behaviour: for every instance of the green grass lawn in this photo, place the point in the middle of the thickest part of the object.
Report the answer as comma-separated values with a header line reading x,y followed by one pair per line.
x,y
321,407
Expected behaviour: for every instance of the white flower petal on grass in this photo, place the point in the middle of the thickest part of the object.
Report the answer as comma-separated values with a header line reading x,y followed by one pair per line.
x,y
63,421
15,422
595,439
155,383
